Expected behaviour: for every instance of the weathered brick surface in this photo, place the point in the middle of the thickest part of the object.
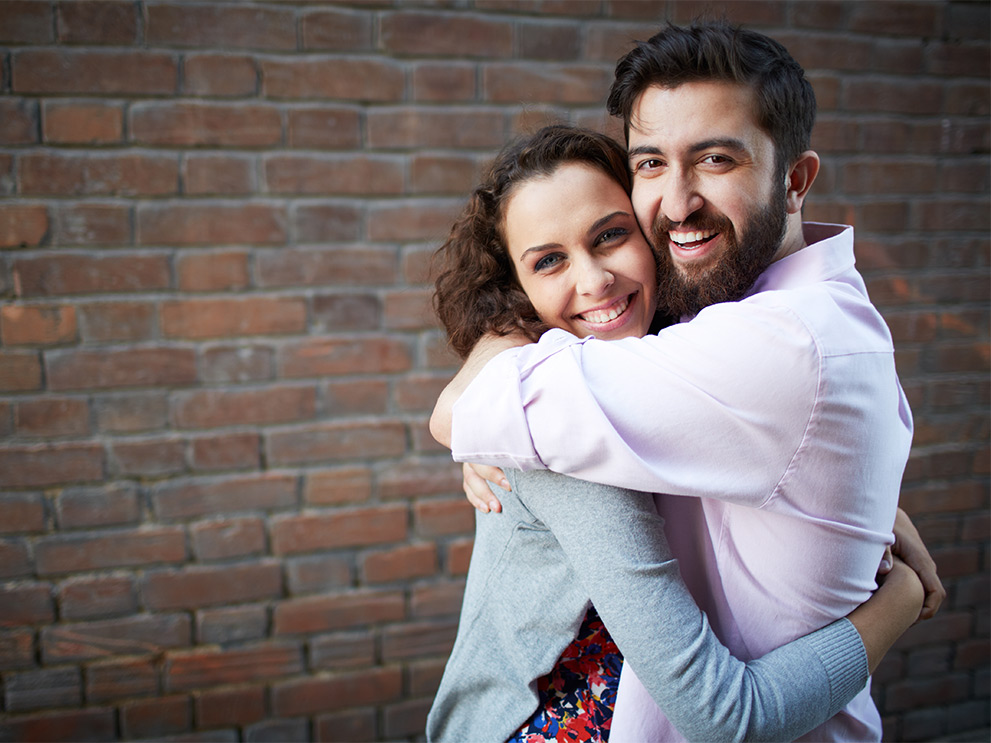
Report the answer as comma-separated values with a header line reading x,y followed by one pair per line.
x,y
222,516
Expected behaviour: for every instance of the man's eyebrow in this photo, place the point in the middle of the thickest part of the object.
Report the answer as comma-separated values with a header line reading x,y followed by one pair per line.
x,y
725,143
643,149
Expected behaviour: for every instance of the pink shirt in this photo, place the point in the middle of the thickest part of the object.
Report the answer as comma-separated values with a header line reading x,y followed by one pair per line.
x,y
782,412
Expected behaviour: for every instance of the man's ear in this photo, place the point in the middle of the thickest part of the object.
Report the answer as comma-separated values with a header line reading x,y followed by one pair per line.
x,y
800,177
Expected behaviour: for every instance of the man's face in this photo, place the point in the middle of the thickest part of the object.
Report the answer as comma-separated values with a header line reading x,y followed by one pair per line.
x,y
706,191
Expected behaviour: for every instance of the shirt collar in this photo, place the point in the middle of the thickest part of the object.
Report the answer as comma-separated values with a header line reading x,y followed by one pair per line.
x,y
828,252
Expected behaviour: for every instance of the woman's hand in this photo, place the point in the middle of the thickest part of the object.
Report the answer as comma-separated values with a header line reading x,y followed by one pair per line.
x,y
476,485
911,549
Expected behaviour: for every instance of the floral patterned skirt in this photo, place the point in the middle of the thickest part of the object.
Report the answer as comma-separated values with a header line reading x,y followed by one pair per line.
x,y
578,696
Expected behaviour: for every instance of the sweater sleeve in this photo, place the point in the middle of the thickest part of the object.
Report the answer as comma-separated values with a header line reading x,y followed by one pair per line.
x,y
615,542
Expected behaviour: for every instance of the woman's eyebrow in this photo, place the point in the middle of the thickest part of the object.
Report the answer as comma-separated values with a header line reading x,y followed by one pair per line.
x,y
599,223
539,249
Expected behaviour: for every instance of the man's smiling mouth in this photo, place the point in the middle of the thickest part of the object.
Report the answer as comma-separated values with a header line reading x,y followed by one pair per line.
x,y
691,240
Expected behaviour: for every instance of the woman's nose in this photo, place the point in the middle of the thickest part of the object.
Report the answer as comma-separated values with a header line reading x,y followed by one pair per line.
x,y
593,277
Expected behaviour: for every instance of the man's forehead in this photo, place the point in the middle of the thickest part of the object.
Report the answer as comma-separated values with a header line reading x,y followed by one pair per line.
x,y
691,106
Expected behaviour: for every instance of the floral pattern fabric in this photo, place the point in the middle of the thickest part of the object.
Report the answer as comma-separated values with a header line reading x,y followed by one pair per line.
x,y
578,696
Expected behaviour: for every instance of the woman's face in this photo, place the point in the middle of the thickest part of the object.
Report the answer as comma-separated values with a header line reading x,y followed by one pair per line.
x,y
579,253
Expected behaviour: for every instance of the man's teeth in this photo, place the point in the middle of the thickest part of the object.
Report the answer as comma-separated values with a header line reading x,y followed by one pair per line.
x,y
687,238
603,316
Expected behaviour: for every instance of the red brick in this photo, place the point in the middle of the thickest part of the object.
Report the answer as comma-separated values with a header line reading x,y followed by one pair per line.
x,y
409,220
219,175
440,517
22,225
359,397
222,540
197,498
138,635
26,603
223,626
348,175
148,546
318,573
551,41
224,407
402,563
356,608
25,22
338,529
334,79
224,452
84,224
278,730
100,22
106,322
410,479
319,358
86,724
445,34
46,687
406,641
340,266
97,598
15,561
903,97
338,486
50,464
61,274
211,224
410,309
197,669
156,718
959,214
337,30
447,81
220,75
241,363
335,442
214,318
16,650
324,128
19,372
428,127
342,650
70,174
327,223
195,587
897,18
419,393
205,124
437,600
21,512
407,718
18,121
52,416
132,367
322,693
112,73
131,412
551,83
443,174
121,678
339,312
154,457
346,727
878,176
69,122
242,706
237,27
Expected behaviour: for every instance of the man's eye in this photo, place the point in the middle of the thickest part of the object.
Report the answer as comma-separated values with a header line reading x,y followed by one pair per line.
x,y
716,160
647,165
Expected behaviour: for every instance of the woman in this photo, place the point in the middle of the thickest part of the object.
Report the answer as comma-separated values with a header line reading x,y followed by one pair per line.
x,y
549,239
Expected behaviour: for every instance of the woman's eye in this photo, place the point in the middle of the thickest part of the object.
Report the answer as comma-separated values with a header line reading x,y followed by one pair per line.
x,y
611,235
546,262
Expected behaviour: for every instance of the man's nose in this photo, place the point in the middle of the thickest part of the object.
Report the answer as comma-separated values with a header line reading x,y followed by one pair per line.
x,y
681,197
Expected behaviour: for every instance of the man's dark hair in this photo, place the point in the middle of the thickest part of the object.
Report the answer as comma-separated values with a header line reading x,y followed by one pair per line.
x,y
716,50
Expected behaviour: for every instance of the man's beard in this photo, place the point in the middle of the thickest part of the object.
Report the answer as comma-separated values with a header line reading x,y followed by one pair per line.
x,y
687,290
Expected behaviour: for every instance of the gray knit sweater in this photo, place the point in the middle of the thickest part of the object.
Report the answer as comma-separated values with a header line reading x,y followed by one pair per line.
x,y
561,544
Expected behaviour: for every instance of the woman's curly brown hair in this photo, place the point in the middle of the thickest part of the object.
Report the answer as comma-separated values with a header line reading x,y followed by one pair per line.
x,y
477,291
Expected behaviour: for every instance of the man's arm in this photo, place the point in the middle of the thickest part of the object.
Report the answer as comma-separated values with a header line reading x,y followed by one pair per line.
x,y
487,348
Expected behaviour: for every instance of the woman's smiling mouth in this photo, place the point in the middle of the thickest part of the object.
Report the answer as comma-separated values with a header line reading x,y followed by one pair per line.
x,y
603,315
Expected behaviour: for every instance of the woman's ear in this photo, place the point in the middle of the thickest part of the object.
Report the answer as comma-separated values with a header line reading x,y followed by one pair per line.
x,y
800,178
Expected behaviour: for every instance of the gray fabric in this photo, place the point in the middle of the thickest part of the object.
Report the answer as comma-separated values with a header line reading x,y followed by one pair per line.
x,y
559,544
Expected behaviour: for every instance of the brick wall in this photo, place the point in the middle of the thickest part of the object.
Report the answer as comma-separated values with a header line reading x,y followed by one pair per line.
x,y
221,515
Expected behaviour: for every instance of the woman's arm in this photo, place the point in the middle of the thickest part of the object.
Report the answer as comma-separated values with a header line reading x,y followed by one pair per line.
x,y
615,542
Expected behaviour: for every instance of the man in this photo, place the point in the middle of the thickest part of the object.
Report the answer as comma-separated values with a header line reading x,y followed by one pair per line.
x,y
776,402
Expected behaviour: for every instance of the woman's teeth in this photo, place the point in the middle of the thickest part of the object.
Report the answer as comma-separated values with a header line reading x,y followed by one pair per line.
x,y
606,315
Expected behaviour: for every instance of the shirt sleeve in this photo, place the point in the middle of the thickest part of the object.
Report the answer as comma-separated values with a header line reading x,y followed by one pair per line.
x,y
702,408
615,544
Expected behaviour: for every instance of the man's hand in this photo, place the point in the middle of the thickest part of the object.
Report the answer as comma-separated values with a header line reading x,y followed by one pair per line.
x,y
488,347
910,548
476,484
